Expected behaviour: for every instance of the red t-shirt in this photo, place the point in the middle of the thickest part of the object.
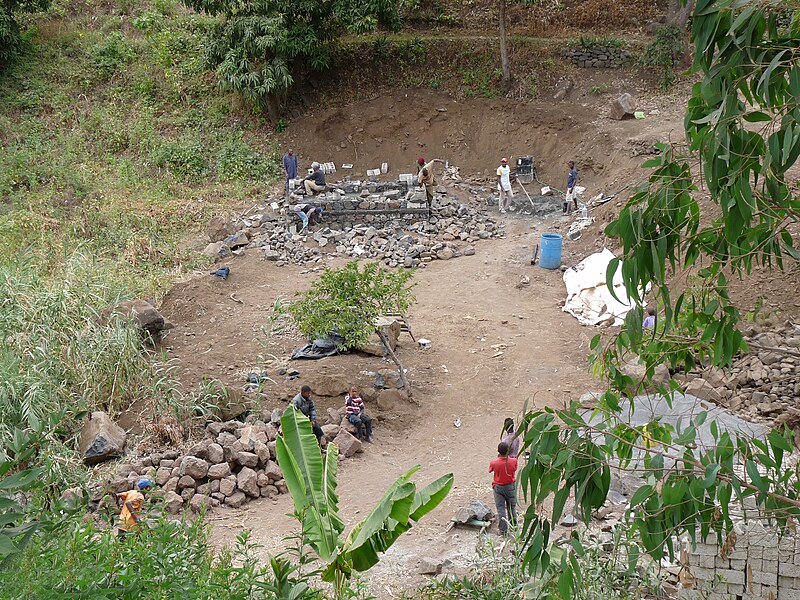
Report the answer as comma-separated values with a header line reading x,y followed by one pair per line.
x,y
504,469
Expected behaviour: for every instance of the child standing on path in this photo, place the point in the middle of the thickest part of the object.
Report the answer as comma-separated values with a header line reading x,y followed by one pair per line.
x,y
504,487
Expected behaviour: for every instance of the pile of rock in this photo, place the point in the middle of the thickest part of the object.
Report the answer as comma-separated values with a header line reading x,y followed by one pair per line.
x,y
601,57
764,384
233,463
398,240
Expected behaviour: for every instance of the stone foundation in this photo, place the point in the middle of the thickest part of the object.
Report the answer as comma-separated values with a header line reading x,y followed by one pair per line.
x,y
600,57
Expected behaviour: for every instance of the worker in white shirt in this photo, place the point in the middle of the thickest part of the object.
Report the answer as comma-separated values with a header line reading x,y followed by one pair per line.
x,y
504,185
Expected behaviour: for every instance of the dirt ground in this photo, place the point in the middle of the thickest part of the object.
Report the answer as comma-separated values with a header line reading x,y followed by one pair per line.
x,y
496,343
466,307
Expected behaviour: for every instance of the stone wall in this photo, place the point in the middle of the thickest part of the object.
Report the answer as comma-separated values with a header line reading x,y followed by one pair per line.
x,y
758,565
601,57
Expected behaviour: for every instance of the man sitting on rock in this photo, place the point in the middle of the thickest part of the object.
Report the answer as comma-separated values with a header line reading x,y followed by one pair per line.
x,y
305,405
131,503
315,182
362,422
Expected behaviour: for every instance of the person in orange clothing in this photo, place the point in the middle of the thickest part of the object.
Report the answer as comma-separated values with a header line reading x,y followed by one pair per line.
x,y
131,503
504,487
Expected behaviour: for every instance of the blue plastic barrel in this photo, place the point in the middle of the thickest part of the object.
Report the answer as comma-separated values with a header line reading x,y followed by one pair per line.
x,y
550,251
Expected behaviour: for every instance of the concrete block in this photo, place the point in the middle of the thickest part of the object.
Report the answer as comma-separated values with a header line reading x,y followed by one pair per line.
x,y
754,552
789,595
706,549
754,564
770,553
731,577
786,583
765,578
787,568
734,590
707,562
702,573
721,563
737,564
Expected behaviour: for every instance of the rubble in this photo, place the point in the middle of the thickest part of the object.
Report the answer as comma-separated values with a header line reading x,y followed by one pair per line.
x,y
764,384
385,221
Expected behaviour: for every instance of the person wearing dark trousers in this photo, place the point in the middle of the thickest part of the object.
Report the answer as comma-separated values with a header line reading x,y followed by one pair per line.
x,y
504,487
362,422
305,405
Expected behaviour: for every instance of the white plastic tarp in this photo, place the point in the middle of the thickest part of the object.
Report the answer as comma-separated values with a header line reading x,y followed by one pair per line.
x,y
588,297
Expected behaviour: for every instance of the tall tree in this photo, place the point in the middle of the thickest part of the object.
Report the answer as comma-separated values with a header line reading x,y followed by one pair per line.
x,y
259,47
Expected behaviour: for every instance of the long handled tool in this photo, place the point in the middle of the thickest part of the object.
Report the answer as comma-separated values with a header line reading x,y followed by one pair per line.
x,y
527,194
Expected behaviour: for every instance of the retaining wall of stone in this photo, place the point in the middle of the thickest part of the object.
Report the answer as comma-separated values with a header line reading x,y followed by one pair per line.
x,y
601,57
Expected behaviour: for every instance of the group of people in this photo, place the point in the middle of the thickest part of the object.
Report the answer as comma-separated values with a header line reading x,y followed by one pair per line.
x,y
354,410
506,193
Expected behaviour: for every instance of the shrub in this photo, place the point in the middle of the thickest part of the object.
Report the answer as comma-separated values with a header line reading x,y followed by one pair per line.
x,y
665,52
185,160
111,54
237,160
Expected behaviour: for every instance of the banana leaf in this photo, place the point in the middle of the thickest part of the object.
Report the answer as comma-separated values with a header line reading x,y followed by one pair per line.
x,y
313,489
431,496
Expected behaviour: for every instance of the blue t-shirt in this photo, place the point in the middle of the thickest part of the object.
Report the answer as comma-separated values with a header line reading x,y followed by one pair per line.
x,y
573,178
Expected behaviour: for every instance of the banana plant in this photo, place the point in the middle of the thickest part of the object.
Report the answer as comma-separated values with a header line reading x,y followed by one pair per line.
x,y
312,484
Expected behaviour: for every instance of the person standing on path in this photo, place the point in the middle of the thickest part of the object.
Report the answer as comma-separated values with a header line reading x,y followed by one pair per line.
x,y
504,185
504,487
305,405
289,167
572,180
131,503
426,177
354,406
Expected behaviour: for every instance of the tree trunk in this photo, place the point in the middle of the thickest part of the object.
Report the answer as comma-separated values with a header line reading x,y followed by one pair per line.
x,y
506,82
678,14
396,360
273,109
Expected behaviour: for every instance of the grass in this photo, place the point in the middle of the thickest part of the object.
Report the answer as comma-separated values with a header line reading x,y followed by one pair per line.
x,y
116,145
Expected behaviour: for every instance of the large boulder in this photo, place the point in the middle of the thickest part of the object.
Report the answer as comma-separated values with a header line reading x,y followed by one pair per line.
x,y
623,107
144,314
101,439
636,371
348,444
194,467
391,328
173,503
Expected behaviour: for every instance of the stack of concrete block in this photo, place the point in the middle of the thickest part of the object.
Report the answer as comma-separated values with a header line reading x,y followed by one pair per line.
x,y
761,564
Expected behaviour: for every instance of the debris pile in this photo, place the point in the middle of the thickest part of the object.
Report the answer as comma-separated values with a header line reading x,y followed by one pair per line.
x,y
374,222
233,463
764,384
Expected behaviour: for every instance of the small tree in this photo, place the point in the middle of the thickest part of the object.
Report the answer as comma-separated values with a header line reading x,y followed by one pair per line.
x,y
347,301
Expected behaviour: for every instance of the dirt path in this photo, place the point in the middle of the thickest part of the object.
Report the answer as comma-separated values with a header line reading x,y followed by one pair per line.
x,y
467,307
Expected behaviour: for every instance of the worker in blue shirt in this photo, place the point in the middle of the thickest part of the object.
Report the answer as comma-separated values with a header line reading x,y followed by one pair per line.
x,y
572,180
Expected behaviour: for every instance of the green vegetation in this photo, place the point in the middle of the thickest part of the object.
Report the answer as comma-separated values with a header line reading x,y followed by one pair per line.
x,y
11,38
349,299
601,89
312,483
260,47
665,52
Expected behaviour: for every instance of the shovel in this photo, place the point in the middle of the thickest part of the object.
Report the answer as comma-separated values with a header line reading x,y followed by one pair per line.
x,y
527,194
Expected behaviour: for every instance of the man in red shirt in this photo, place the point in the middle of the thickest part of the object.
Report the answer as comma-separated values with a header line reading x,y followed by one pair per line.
x,y
504,468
